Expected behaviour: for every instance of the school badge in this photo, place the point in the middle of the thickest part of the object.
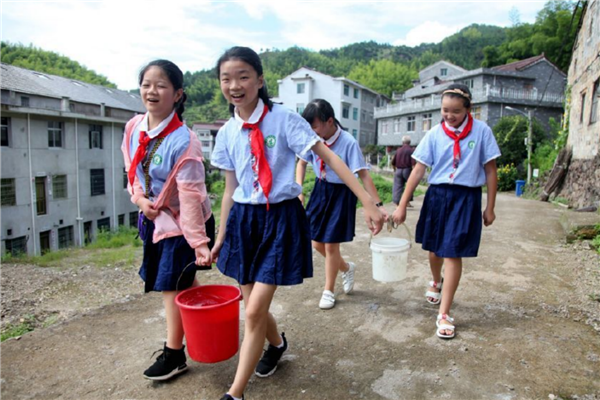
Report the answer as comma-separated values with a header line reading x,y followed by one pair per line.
x,y
270,141
471,144
157,159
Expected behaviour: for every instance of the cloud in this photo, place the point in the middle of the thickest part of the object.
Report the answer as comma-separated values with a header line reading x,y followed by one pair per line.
x,y
428,32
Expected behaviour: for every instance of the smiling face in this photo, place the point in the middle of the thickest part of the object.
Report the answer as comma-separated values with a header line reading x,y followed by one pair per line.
x,y
240,84
454,110
158,94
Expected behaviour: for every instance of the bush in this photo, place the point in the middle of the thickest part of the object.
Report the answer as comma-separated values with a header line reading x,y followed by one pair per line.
x,y
510,134
507,175
124,236
543,158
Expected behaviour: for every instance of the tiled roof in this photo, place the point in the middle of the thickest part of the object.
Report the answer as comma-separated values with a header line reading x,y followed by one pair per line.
x,y
519,65
26,81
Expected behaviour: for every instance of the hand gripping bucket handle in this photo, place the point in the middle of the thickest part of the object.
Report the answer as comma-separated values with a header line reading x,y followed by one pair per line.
x,y
390,255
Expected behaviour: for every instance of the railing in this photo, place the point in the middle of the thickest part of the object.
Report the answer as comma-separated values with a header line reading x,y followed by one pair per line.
x,y
491,92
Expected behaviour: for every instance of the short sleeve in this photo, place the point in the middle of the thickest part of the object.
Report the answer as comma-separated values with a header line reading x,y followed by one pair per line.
x,y
307,157
220,156
425,150
299,135
356,161
490,149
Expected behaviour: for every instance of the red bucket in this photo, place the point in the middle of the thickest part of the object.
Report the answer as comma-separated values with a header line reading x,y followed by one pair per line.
x,y
211,321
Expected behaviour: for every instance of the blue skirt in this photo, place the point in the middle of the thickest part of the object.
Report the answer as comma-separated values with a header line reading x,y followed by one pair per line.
x,y
451,220
165,262
331,211
271,247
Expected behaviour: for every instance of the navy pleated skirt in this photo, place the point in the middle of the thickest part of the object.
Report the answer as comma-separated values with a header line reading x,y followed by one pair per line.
x,y
165,262
451,220
271,247
331,212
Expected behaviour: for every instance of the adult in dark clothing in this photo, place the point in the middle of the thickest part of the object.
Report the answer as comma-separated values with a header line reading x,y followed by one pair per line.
x,y
402,165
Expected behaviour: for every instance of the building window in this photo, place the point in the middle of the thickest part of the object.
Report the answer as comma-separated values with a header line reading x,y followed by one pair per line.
x,y
356,93
206,143
468,83
411,123
16,246
355,114
104,224
582,108
5,126
125,178
133,219
355,133
346,90
65,237
595,95
45,241
346,112
97,181
397,125
55,129
9,193
426,122
121,219
59,186
363,116
300,108
300,88
476,112
384,127
443,71
24,101
40,195
95,136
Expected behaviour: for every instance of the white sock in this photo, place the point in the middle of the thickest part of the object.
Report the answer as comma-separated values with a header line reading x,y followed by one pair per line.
x,y
282,343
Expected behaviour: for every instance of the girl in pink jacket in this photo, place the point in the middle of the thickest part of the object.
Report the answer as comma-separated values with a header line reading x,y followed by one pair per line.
x,y
163,159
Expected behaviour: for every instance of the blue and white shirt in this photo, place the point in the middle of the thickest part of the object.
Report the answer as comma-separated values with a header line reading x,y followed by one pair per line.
x,y
436,151
166,155
347,148
286,135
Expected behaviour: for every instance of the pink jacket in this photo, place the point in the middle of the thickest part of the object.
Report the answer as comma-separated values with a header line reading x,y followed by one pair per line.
x,y
183,203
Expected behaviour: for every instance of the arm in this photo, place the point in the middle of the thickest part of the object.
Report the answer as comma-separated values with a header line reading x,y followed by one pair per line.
x,y
399,215
367,181
300,174
373,217
491,177
231,184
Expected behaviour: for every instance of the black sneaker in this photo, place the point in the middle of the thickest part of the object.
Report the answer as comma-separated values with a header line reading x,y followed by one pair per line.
x,y
227,396
268,363
167,365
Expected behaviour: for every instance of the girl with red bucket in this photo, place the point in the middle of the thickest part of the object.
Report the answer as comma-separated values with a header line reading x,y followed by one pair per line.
x,y
264,237
166,181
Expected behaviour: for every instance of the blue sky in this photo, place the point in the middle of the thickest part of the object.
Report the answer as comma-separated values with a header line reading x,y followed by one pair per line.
x,y
116,38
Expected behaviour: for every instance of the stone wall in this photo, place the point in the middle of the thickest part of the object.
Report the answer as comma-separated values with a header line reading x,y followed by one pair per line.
x,y
582,184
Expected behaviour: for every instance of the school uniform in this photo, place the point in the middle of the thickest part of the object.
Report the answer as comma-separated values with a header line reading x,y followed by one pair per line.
x,y
266,241
178,191
450,222
331,208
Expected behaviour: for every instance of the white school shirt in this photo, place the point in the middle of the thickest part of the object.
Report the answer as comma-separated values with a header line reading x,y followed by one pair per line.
x,y
167,154
347,148
286,135
436,151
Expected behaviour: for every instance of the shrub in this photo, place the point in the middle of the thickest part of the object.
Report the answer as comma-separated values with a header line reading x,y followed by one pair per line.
x,y
507,175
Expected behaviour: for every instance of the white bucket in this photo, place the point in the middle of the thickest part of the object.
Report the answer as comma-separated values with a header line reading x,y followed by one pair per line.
x,y
390,258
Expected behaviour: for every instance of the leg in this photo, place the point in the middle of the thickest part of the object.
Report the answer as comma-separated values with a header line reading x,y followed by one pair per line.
x,y
403,179
435,263
333,263
174,324
451,280
259,324
396,188
320,247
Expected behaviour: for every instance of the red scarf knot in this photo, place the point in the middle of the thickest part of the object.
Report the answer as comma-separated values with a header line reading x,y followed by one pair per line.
x,y
257,148
144,140
457,138
322,164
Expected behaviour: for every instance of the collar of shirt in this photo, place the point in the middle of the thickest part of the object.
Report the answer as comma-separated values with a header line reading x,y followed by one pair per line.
x,y
461,127
156,131
256,114
335,137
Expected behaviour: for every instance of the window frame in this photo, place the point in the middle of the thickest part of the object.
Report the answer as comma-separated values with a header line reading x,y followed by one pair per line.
x,y
595,100
94,189
346,90
96,137
55,134
57,191
300,87
65,237
411,121
427,120
5,199
5,132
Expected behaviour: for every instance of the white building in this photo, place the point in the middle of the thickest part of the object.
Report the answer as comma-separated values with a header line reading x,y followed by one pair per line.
x,y
352,102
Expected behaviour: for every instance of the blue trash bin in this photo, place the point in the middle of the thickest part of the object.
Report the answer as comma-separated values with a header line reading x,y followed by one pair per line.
x,y
520,186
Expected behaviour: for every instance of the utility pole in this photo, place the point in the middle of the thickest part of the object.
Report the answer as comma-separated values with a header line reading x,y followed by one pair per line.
x,y
529,143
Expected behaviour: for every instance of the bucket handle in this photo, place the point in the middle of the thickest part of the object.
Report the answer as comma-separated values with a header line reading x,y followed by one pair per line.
x,y
180,275
391,225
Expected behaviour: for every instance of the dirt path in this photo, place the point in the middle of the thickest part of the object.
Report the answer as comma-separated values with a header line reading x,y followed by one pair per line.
x,y
524,317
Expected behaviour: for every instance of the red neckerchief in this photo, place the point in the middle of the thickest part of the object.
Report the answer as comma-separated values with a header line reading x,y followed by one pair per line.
x,y
144,140
322,164
457,138
257,148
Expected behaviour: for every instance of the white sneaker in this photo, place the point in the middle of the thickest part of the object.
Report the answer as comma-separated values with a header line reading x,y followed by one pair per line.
x,y
348,278
327,300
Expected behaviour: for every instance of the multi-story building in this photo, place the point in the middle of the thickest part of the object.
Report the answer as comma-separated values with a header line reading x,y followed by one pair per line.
x,y
63,175
352,102
532,84
207,133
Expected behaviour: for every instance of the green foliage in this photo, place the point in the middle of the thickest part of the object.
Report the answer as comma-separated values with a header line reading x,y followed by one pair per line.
x,y
511,132
36,59
15,330
507,175
384,76
543,158
44,260
383,162
596,240
124,236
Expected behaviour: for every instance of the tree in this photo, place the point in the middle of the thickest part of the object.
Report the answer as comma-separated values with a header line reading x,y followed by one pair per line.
x,y
510,133
384,76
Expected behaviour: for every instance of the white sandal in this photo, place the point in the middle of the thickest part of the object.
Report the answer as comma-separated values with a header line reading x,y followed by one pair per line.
x,y
445,327
435,295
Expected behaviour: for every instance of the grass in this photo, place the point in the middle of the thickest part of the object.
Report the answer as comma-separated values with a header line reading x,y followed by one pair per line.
x,y
14,330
